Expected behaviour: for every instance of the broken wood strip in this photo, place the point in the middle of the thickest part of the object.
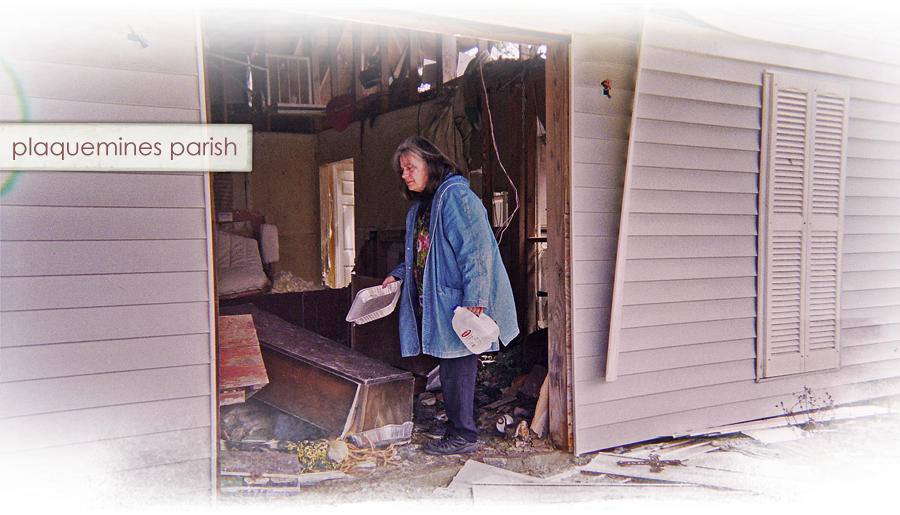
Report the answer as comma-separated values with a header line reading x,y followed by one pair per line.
x,y
850,469
746,480
530,496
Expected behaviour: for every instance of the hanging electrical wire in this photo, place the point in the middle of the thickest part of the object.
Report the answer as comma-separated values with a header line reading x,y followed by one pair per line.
x,y
505,224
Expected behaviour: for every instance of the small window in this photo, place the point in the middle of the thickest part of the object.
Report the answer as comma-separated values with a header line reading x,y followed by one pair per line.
x,y
802,169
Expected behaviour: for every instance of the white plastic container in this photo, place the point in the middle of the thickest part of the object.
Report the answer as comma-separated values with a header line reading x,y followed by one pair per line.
x,y
477,332
374,302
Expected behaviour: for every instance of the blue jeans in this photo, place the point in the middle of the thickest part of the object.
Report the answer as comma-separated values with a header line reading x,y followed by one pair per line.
x,y
458,386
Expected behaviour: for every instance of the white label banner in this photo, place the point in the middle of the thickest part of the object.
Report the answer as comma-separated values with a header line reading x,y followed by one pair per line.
x,y
98,147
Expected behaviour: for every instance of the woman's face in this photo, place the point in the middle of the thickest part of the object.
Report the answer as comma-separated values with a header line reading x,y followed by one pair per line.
x,y
415,172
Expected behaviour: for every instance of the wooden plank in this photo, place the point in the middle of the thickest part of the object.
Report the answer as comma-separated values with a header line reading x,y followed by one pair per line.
x,y
558,256
239,359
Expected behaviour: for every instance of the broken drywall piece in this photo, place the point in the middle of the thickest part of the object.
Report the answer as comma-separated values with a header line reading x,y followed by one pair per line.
x,y
570,496
475,472
770,485
775,434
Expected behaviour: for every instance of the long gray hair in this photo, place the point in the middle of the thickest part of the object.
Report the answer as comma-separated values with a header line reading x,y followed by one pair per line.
x,y
438,165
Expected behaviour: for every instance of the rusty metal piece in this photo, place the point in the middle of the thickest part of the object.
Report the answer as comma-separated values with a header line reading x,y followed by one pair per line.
x,y
656,465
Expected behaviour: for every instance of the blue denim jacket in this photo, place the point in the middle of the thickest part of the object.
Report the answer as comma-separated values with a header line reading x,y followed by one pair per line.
x,y
463,268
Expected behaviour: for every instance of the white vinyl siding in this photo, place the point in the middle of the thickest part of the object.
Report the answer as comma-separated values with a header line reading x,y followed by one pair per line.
x,y
801,210
106,380
682,351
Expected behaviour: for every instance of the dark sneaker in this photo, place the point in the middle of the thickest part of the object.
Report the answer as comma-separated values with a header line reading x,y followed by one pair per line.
x,y
449,445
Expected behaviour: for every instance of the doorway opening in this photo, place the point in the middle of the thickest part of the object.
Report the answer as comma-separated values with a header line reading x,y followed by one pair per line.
x,y
336,186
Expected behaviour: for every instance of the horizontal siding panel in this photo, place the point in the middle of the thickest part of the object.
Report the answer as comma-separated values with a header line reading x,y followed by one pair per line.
x,y
107,189
667,60
652,224
874,129
590,321
42,223
593,248
660,107
60,292
870,149
67,359
596,200
601,126
869,316
675,156
693,268
101,46
688,335
861,281
598,295
865,187
621,76
872,168
136,452
886,111
20,259
104,85
595,224
863,354
860,243
604,49
48,110
593,272
872,225
93,391
671,179
870,262
674,358
599,151
662,292
174,20
699,88
592,100
869,335
108,323
612,177
702,136
675,247
87,425
686,313
693,39
690,202
882,297
871,206
136,486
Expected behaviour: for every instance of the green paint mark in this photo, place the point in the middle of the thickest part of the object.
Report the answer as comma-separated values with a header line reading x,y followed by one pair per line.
x,y
24,116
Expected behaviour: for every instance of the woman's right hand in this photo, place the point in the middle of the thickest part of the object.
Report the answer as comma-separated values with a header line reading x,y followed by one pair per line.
x,y
388,280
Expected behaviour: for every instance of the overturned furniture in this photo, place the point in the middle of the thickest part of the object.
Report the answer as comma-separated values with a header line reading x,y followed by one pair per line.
x,y
326,384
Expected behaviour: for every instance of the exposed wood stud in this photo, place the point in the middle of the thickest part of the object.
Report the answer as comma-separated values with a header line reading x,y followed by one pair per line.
x,y
384,51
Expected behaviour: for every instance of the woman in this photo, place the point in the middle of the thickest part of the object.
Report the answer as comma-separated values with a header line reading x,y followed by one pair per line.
x,y
451,260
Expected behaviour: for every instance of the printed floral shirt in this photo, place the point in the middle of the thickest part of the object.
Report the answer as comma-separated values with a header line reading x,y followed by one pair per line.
x,y
423,243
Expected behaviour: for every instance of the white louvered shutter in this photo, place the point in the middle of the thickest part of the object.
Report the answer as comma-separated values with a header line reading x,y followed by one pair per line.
x,y
801,240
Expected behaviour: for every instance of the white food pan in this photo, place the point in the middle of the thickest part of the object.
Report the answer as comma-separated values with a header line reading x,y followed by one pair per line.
x,y
374,303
